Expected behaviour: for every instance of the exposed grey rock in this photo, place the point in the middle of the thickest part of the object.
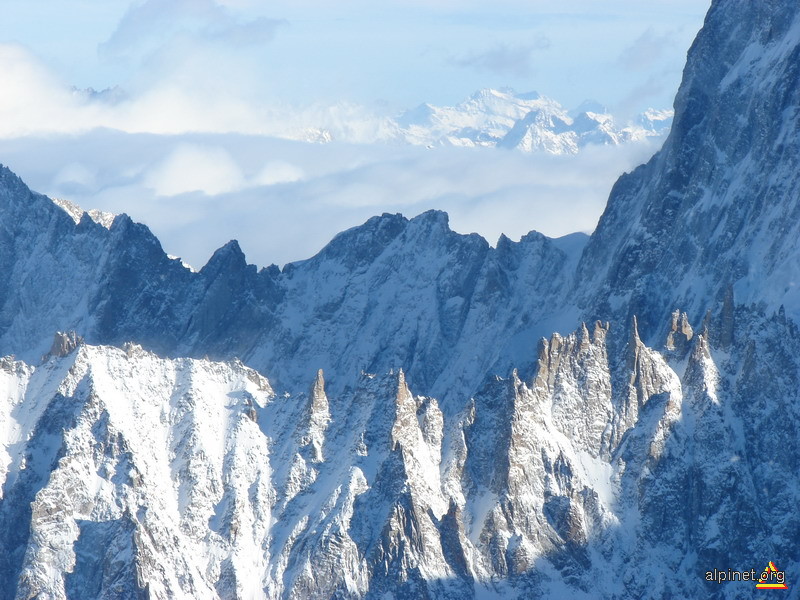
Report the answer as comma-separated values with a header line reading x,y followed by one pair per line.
x,y
64,343
608,465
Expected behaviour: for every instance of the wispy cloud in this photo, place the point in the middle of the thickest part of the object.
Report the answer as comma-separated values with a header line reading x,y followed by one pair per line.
x,y
505,59
193,168
190,89
647,50
154,24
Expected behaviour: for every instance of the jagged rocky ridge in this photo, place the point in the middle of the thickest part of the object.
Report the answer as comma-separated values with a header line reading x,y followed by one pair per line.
x,y
625,462
129,475
391,292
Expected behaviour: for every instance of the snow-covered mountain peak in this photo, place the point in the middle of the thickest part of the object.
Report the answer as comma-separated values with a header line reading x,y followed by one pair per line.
x,y
106,219
73,210
432,220
529,122
505,102
481,120
11,186
651,435
228,259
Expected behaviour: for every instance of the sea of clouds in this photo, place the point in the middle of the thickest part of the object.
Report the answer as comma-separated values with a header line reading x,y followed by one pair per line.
x,y
283,200
193,140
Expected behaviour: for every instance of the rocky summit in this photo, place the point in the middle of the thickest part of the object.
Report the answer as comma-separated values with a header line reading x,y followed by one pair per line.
x,y
413,413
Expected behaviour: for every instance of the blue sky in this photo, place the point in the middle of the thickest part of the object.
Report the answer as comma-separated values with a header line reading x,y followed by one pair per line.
x,y
205,82
403,53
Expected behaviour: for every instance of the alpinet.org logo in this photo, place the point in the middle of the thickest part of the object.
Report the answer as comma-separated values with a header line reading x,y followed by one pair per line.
x,y
768,579
772,579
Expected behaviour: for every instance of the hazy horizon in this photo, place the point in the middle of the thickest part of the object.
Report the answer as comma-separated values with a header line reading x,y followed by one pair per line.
x,y
186,140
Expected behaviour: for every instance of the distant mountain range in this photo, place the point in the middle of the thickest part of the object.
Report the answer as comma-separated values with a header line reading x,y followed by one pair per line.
x,y
528,122
502,118
453,446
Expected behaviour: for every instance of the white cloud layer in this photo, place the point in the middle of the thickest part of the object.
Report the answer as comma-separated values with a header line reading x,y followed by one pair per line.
x,y
193,168
232,66
284,200
186,143
194,90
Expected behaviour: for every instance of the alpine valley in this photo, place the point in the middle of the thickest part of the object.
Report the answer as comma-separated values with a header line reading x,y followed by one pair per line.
x,y
396,417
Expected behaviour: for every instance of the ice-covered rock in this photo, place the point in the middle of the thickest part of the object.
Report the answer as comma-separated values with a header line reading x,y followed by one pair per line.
x,y
624,458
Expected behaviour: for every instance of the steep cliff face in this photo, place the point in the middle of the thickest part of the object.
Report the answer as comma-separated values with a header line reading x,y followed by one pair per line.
x,y
129,475
390,292
717,206
624,459
60,274
413,293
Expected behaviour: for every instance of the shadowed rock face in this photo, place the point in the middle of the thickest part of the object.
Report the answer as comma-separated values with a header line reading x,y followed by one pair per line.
x,y
716,207
622,460
129,475
391,292
712,214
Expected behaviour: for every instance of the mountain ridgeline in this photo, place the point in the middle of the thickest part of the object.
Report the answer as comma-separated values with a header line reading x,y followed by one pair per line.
x,y
527,122
392,292
431,435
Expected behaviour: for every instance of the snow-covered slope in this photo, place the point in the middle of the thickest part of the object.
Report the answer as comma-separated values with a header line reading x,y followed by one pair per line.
x,y
391,292
623,460
127,475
